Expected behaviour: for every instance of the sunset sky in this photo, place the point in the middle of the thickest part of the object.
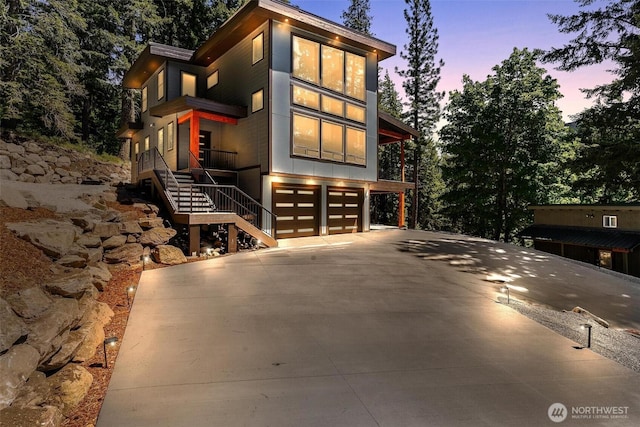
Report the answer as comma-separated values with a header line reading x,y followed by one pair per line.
x,y
476,35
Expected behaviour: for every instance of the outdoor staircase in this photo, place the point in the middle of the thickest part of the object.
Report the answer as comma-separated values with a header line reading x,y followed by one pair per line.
x,y
188,199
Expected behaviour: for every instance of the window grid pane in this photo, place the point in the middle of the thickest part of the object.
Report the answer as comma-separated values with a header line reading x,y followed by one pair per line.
x,y
212,79
161,141
332,68
356,151
355,76
355,113
144,99
257,101
332,106
332,141
306,60
146,143
306,136
306,98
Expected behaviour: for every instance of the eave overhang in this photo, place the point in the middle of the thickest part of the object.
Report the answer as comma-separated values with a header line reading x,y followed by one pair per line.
x,y
128,129
255,12
149,60
184,103
392,129
610,239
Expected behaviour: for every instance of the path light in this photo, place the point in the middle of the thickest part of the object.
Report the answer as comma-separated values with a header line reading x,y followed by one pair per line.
x,y
129,291
209,252
506,289
145,260
111,342
588,328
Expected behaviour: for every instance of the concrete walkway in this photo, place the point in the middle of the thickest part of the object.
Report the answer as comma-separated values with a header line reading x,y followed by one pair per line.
x,y
351,330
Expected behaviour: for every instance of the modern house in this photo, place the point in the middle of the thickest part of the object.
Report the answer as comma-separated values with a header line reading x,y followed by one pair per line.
x,y
607,236
270,126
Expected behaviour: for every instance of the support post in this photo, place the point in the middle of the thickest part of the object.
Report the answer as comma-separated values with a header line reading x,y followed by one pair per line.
x,y
194,239
232,239
194,136
401,219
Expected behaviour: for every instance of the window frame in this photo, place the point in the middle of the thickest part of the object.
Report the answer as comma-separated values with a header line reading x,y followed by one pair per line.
x,y
170,135
147,143
316,79
183,74
160,85
144,99
254,58
210,78
253,100
610,221
319,140
160,140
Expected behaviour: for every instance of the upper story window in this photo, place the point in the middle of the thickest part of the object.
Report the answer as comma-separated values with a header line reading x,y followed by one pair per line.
x,y
145,101
306,98
188,84
146,143
257,48
257,101
161,84
212,79
161,141
170,136
609,221
329,67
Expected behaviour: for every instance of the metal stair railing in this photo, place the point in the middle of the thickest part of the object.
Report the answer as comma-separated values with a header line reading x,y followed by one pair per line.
x,y
153,160
229,198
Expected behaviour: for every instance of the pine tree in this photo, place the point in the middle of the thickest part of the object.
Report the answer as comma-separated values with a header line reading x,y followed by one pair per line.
x,y
421,79
357,16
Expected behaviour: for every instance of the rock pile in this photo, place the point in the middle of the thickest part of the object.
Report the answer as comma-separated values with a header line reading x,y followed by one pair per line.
x,y
30,162
47,329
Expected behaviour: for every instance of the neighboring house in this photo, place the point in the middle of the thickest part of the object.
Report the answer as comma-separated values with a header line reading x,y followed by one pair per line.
x,y
271,125
604,235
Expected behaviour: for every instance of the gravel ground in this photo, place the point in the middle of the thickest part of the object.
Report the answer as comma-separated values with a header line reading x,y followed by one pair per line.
x,y
615,344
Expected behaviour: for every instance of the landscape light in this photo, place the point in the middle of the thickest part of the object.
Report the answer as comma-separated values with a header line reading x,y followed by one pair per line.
x,y
145,259
129,290
111,341
506,289
588,328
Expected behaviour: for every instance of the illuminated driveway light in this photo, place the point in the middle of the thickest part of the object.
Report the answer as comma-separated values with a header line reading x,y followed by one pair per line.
x,y
111,342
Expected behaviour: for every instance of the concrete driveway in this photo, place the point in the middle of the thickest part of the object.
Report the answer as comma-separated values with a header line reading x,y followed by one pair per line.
x,y
369,329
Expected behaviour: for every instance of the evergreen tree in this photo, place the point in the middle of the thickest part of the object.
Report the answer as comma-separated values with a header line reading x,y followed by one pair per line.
x,y
609,150
357,16
40,65
421,79
502,146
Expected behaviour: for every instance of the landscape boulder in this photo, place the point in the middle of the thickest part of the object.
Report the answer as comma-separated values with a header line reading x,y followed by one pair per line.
x,y
53,237
106,229
12,198
89,240
148,223
33,392
157,236
30,303
100,276
170,255
130,227
73,285
29,416
16,365
46,332
73,261
114,242
66,353
12,327
130,253
68,387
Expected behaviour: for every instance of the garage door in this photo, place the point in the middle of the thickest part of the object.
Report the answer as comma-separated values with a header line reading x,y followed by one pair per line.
x,y
297,209
344,210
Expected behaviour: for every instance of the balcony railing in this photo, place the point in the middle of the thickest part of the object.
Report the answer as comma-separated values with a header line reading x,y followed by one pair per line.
x,y
218,159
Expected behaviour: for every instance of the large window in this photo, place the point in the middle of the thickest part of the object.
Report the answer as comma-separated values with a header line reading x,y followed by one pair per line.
x,y
161,84
609,221
258,48
328,140
329,67
145,101
306,136
188,84
306,60
170,136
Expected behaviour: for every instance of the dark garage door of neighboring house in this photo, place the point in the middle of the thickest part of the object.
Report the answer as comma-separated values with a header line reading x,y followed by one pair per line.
x,y
297,208
344,209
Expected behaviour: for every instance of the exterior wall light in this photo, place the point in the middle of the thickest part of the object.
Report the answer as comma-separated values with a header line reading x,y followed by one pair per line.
x,y
111,342
588,328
